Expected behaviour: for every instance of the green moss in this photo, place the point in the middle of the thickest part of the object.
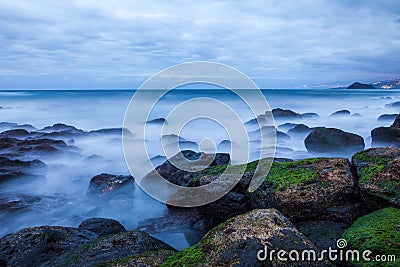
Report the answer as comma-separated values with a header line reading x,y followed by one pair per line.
x,y
191,256
368,172
287,174
378,160
378,232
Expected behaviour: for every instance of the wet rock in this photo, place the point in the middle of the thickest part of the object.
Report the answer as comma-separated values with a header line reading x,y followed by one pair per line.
x,y
38,245
110,247
387,135
378,171
310,115
378,232
323,234
328,140
340,113
157,121
102,226
111,131
16,133
15,202
148,259
14,169
285,113
358,85
189,159
238,241
387,117
60,127
393,105
107,185
300,129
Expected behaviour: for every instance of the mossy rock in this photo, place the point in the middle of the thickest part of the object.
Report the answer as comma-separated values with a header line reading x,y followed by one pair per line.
x,y
378,232
146,259
237,241
378,171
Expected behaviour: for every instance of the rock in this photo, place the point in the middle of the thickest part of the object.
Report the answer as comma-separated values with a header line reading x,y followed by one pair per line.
x,y
358,85
189,159
111,131
284,113
149,259
13,169
60,127
102,226
393,105
378,170
287,126
387,135
267,131
323,234
15,133
358,115
310,115
387,117
310,189
38,245
107,185
378,232
300,129
328,140
171,139
340,113
238,241
110,247
15,202
157,121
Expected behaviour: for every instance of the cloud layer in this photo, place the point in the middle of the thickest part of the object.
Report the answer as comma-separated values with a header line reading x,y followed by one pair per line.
x,y
119,44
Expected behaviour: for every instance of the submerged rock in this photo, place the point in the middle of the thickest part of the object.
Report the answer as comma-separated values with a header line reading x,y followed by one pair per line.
x,y
378,170
328,140
393,105
157,121
238,241
38,245
340,113
106,185
387,117
387,135
16,202
300,129
111,247
285,113
102,226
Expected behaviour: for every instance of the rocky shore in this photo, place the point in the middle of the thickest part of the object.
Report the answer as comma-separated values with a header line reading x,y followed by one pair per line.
x,y
306,204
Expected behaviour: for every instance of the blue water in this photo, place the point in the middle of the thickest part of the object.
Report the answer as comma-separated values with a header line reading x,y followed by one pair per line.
x,y
67,179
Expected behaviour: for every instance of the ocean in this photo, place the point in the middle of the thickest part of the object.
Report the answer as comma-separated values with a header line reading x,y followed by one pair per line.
x,y
63,190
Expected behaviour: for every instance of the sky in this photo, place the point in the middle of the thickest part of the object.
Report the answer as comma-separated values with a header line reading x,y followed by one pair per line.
x,y
119,44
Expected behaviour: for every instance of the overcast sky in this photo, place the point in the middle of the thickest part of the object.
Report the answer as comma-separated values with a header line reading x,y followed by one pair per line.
x,y
119,44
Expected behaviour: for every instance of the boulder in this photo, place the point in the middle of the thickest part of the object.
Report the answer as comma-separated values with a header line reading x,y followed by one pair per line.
x,y
37,246
378,170
378,232
106,185
387,135
102,226
331,140
300,129
393,105
157,121
16,202
340,113
310,115
387,117
149,259
279,113
238,242
111,247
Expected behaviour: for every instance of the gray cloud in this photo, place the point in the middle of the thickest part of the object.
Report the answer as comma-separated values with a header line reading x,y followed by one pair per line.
x,y
113,44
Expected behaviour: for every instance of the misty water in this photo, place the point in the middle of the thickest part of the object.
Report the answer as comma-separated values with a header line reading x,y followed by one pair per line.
x,y
66,177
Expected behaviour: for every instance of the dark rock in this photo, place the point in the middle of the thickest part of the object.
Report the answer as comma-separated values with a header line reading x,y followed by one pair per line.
x,y
340,113
300,129
15,202
102,226
12,169
15,133
378,170
310,115
387,135
324,140
287,126
106,185
387,117
60,127
323,234
151,258
38,245
110,247
358,85
393,105
285,113
157,120
238,241
111,131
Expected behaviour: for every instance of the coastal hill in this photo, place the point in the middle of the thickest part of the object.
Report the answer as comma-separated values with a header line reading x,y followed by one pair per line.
x,y
358,85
